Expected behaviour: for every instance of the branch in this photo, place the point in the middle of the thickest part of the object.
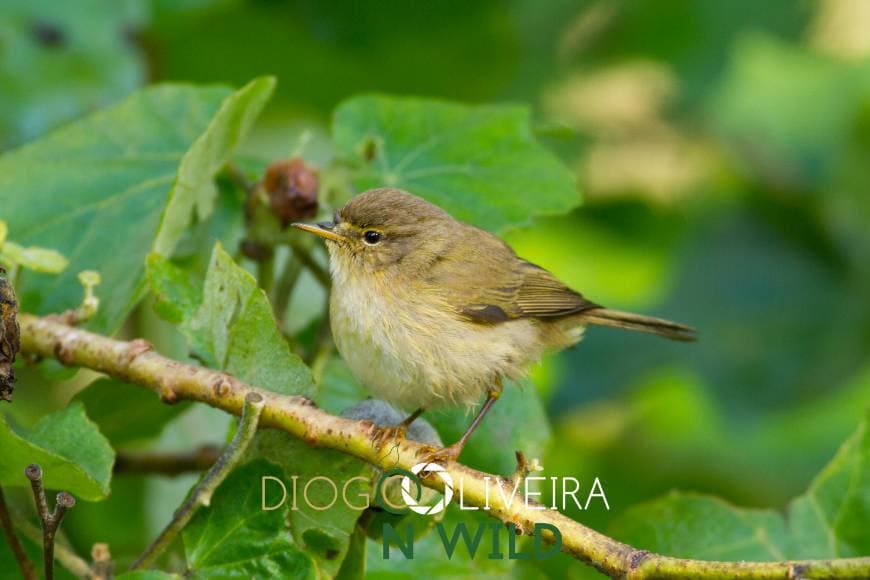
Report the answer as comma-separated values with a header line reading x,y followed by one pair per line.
x,y
28,571
67,558
174,381
166,463
50,521
201,495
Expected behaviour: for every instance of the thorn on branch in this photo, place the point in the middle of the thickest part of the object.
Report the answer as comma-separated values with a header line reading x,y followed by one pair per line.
x,y
201,494
50,521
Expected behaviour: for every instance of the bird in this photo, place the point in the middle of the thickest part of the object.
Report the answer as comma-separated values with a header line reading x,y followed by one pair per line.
x,y
428,311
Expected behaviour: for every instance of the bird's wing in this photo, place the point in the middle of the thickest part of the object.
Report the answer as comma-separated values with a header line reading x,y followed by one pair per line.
x,y
543,295
496,286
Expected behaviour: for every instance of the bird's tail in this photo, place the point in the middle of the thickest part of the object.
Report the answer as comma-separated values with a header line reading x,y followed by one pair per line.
x,y
637,322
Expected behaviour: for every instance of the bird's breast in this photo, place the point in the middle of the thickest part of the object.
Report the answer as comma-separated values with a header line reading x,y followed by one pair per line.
x,y
412,350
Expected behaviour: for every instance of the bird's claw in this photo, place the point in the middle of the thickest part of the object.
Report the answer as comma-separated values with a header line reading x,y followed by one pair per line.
x,y
387,433
444,455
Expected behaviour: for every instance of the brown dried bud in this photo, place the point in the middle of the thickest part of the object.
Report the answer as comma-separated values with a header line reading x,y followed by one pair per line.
x,y
10,342
292,186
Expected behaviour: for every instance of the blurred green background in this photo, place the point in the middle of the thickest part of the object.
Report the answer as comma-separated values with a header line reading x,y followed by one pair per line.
x,y
722,149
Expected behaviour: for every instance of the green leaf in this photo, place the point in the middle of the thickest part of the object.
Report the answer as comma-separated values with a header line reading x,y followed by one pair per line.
x,y
36,259
517,421
176,291
430,558
324,534
337,389
829,521
481,164
69,447
354,565
235,537
230,326
194,187
106,189
126,413
63,60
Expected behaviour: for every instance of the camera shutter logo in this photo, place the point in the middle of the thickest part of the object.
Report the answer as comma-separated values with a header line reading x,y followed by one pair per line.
x,y
442,503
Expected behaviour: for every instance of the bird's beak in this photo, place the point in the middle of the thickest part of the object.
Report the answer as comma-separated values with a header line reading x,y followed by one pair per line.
x,y
322,229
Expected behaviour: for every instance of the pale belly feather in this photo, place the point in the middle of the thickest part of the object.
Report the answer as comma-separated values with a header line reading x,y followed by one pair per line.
x,y
425,357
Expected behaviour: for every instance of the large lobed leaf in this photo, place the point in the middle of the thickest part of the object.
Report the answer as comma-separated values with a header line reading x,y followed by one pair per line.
x,y
480,163
234,537
325,535
69,447
829,521
107,189
229,323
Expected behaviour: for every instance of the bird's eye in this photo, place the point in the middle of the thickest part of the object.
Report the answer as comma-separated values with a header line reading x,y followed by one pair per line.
x,y
372,237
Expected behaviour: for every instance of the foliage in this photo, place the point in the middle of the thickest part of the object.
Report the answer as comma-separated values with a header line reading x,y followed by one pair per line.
x,y
234,537
720,149
439,149
105,199
231,327
68,446
828,521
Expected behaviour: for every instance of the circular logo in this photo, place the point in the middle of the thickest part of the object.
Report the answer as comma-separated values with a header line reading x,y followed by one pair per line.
x,y
412,502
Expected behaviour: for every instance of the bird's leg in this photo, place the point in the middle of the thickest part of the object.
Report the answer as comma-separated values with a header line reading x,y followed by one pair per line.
x,y
451,452
411,418
398,431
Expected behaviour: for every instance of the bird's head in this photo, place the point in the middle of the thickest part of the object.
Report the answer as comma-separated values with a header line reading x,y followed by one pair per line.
x,y
381,229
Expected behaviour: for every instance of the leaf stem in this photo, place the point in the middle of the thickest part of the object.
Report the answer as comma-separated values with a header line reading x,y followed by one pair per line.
x,y
28,571
201,495
266,273
299,417
284,288
67,558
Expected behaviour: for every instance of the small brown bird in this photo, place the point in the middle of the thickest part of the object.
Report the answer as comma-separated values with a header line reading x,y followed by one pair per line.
x,y
428,311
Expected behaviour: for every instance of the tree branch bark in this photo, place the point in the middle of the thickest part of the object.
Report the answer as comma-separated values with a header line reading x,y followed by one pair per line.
x,y
166,463
174,381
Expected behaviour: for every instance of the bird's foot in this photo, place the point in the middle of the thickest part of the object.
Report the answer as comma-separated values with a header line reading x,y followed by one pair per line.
x,y
385,433
445,454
